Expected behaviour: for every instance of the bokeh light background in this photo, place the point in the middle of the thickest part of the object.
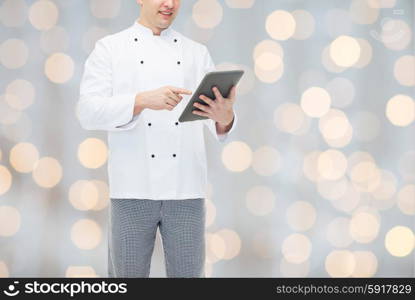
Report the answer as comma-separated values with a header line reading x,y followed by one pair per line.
x,y
317,180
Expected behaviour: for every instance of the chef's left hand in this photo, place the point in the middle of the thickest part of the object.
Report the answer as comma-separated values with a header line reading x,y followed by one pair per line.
x,y
220,109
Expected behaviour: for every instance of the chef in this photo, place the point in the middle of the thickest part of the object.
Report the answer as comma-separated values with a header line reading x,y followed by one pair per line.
x,y
135,85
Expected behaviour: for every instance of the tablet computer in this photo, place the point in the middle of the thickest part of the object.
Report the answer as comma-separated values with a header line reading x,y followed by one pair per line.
x,y
223,80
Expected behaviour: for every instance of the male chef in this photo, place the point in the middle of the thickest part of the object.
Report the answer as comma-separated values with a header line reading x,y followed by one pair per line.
x,y
135,85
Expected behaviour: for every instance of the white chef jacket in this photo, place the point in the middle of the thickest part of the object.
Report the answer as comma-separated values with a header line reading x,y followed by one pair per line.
x,y
151,155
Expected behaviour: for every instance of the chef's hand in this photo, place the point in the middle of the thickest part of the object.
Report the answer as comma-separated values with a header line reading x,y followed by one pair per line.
x,y
166,97
220,110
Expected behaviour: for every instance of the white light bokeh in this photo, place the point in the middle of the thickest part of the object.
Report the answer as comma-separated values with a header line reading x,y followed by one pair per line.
x,y
260,200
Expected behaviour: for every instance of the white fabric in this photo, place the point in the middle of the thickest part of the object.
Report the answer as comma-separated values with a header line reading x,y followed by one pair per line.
x,y
124,64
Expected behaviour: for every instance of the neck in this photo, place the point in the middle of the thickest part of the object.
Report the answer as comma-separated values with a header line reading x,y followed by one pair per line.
x,y
143,21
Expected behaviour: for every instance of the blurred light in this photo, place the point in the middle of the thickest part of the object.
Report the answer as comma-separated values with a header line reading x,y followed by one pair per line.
x,y
384,193
366,54
53,40
260,200
240,3
280,25
345,51
8,115
215,247
13,53
262,244
207,13
9,221
332,164
4,271
23,157
338,233
301,215
315,102
404,70
268,57
103,194
92,153
332,189
396,34
13,13
341,91
43,14
400,110
210,212
335,128
5,180
23,91
268,61
80,272
86,234
105,9
399,241
382,3
266,161
304,24
340,263
59,68
19,130
310,166
366,264
407,166
329,63
208,269
83,195
364,227
406,199
270,76
232,243
237,156
296,248
290,118
268,46
47,172
362,12
198,34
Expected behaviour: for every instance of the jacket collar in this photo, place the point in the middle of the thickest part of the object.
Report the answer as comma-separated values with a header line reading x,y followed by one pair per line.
x,y
148,32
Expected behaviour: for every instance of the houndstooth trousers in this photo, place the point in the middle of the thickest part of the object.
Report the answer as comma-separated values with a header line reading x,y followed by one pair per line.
x,y
132,231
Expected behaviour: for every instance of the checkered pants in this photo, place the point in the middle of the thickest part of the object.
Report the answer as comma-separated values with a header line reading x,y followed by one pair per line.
x,y
132,232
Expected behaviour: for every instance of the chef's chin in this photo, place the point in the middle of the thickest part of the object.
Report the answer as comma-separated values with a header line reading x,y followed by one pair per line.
x,y
165,23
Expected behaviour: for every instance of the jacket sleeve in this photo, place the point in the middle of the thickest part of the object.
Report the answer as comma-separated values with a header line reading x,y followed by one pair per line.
x,y
97,107
209,66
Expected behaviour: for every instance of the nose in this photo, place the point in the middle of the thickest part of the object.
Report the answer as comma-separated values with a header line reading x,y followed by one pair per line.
x,y
169,4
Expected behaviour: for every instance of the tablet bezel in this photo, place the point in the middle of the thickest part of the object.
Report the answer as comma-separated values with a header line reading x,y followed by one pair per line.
x,y
224,79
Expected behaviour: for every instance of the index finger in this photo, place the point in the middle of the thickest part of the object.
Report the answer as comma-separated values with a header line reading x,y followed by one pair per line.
x,y
180,90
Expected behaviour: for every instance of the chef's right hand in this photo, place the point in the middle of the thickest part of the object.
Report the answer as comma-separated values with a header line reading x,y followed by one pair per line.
x,y
166,97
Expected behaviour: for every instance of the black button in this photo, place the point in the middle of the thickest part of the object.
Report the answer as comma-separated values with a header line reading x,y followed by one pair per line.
x,y
142,62
136,39
177,123
149,124
174,155
152,155
175,40
178,62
